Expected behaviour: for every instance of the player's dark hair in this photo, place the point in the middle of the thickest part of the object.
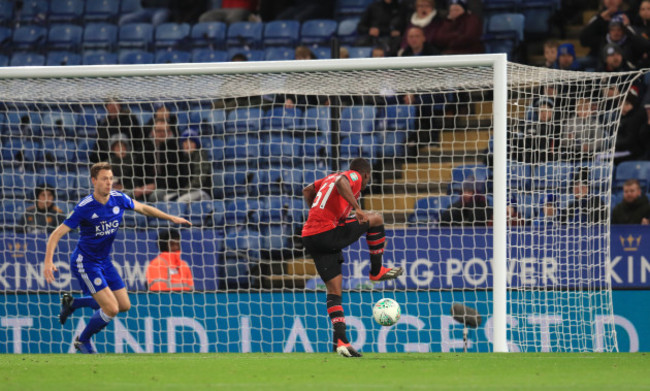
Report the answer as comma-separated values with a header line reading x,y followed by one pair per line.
x,y
631,182
165,236
360,165
97,167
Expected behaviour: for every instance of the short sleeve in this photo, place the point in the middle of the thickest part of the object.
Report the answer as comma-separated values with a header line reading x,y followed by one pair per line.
x,y
127,202
355,180
74,218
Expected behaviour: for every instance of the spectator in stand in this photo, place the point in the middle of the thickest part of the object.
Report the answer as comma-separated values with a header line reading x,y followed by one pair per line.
x,y
538,139
641,25
304,53
118,120
592,34
161,111
632,45
186,11
470,210
613,60
378,52
125,164
548,214
427,18
161,177
168,272
635,208
301,10
550,53
42,217
460,32
583,207
566,58
417,44
381,25
583,134
515,219
629,145
231,11
195,169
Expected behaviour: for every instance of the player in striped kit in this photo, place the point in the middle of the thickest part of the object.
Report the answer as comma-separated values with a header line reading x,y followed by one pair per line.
x,y
330,228
98,217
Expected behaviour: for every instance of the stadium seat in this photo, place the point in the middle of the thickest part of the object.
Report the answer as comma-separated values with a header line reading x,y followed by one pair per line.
x,y
99,58
634,169
519,175
209,55
199,213
101,10
4,60
135,57
33,11
491,7
26,59
397,117
358,145
529,204
240,211
64,37
553,176
12,212
357,119
245,34
171,35
241,148
504,33
5,38
351,8
172,208
360,52
281,33
317,31
279,54
63,58
209,34
393,143
218,212
537,14
318,118
136,36
6,12
347,31
100,36
242,248
478,174
244,120
427,210
172,56
66,11
322,52
29,38
283,118
59,124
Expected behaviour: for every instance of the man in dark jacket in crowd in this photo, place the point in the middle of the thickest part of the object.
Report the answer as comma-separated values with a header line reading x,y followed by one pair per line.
x,y
635,208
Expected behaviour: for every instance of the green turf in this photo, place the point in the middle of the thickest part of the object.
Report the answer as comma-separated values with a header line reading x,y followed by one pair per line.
x,y
310,372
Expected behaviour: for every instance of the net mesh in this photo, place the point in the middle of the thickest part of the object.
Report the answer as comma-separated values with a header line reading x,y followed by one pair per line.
x,y
259,138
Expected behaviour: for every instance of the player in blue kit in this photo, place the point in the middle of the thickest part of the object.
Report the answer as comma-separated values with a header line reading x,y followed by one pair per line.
x,y
98,217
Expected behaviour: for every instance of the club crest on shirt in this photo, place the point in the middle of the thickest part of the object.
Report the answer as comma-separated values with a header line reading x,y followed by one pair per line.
x,y
354,176
116,209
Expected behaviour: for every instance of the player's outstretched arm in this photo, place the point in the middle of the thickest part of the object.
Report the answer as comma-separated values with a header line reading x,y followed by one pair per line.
x,y
151,211
52,242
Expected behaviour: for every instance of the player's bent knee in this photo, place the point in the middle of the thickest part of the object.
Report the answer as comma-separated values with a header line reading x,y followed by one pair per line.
x,y
111,310
125,307
376,219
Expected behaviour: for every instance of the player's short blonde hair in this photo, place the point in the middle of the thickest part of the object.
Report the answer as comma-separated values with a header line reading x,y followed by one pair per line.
x,y
97,167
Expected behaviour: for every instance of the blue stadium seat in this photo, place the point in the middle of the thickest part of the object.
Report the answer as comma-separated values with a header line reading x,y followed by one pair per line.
x,y
538,15
317,31
12,212
100,36
209,55
504,33
172,208
357,119
199,213
251,55
172,56
318,118
358,145
279,54
392,142
6,34
244,120
634,169
284,118
13,184
478,174
135,57
427,210
6,12
555,175
136,36
209,34
64,37
529,204
491,7
101,10
29,38
397,117
347,31
245,34
4,60
100,58
351,8
58,124
519,175
63,58
33,11
240,210
24,59
281,33
360,52
127,6
66,11
241,148
171,35
218,212
284,149
242,247
322,52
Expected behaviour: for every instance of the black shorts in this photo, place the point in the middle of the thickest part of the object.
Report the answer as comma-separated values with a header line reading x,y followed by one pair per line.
x,y
326,247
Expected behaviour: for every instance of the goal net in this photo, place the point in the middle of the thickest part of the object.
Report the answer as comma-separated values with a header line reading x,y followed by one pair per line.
x,y
231,146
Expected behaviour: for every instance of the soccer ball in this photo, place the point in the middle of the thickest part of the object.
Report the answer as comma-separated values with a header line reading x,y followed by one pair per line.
x,y
386,312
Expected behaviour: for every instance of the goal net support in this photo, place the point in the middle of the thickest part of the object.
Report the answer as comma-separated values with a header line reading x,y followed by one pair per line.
x,y
494,180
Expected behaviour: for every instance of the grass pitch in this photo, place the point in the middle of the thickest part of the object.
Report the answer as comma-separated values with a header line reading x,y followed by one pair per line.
x,y
310,372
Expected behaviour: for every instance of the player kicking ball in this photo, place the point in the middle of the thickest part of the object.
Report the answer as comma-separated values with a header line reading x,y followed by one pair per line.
x,y
98,217
330,228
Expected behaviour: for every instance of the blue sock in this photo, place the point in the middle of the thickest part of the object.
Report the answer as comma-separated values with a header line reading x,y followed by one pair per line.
x,y
86,301
97,322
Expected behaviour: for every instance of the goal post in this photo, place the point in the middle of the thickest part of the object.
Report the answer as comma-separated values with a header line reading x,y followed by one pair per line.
x,y
433,127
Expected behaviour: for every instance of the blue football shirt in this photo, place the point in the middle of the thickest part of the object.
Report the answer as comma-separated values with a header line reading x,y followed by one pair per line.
x,y
98,224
